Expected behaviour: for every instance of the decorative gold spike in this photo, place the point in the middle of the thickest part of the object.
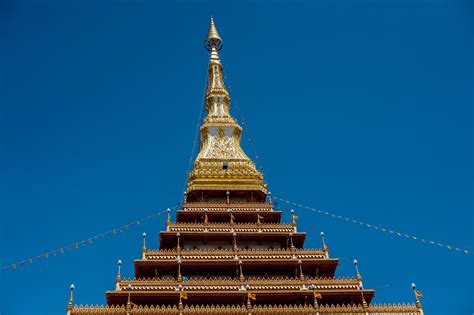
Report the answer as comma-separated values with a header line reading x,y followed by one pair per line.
x,y
325,248
168,221
178,246
118,279
129,304
144,245
241,276
417,294
69,305
234,241
300,264
213,40
358,276
180,278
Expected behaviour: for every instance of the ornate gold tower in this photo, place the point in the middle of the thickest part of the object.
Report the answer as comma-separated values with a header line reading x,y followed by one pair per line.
x,y
222,167
228,252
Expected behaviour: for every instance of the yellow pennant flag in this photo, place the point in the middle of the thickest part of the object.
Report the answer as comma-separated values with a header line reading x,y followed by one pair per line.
x,y
295,217
317,295
251,296
418,293
183,295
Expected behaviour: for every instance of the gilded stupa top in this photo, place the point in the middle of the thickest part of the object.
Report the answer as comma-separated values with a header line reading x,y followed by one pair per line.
x,y
221,168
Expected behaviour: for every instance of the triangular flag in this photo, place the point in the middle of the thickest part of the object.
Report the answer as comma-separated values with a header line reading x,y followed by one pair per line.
x,y
251,296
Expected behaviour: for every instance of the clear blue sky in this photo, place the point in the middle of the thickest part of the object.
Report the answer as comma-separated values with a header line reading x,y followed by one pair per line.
x,y
363,108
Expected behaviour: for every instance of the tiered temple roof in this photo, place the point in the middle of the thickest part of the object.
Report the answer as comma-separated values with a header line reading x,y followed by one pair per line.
x,y
228,251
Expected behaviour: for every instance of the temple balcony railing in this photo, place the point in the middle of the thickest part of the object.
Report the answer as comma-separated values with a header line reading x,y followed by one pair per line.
x,y
264,289
297,253
222,205
253,282
373,309
228,227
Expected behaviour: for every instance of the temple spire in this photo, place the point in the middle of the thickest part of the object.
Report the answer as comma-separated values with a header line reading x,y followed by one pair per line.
x,y
222,170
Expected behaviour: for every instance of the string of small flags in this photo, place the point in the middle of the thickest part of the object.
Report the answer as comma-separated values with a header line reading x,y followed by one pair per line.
x,y
79,244
376,227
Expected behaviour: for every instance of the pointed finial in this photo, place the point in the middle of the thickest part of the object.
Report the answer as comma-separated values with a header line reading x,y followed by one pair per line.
x,y
144,245
358,276
300,263
168,221
293,219
117,280
119,263
213,40
241,276
69,305
325,248
129,302
178,241
417,294
234,241
292,246
180,277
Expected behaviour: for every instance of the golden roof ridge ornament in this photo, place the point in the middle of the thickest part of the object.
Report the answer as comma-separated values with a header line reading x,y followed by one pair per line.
x,y
221,165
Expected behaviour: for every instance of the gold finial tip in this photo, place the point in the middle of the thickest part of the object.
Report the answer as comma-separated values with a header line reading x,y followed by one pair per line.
x,y
213,40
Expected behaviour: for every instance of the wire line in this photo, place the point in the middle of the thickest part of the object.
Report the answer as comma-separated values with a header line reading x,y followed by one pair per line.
x,y
376,227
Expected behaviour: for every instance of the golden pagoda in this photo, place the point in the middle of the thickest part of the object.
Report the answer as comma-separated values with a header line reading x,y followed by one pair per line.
x,y
228,251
